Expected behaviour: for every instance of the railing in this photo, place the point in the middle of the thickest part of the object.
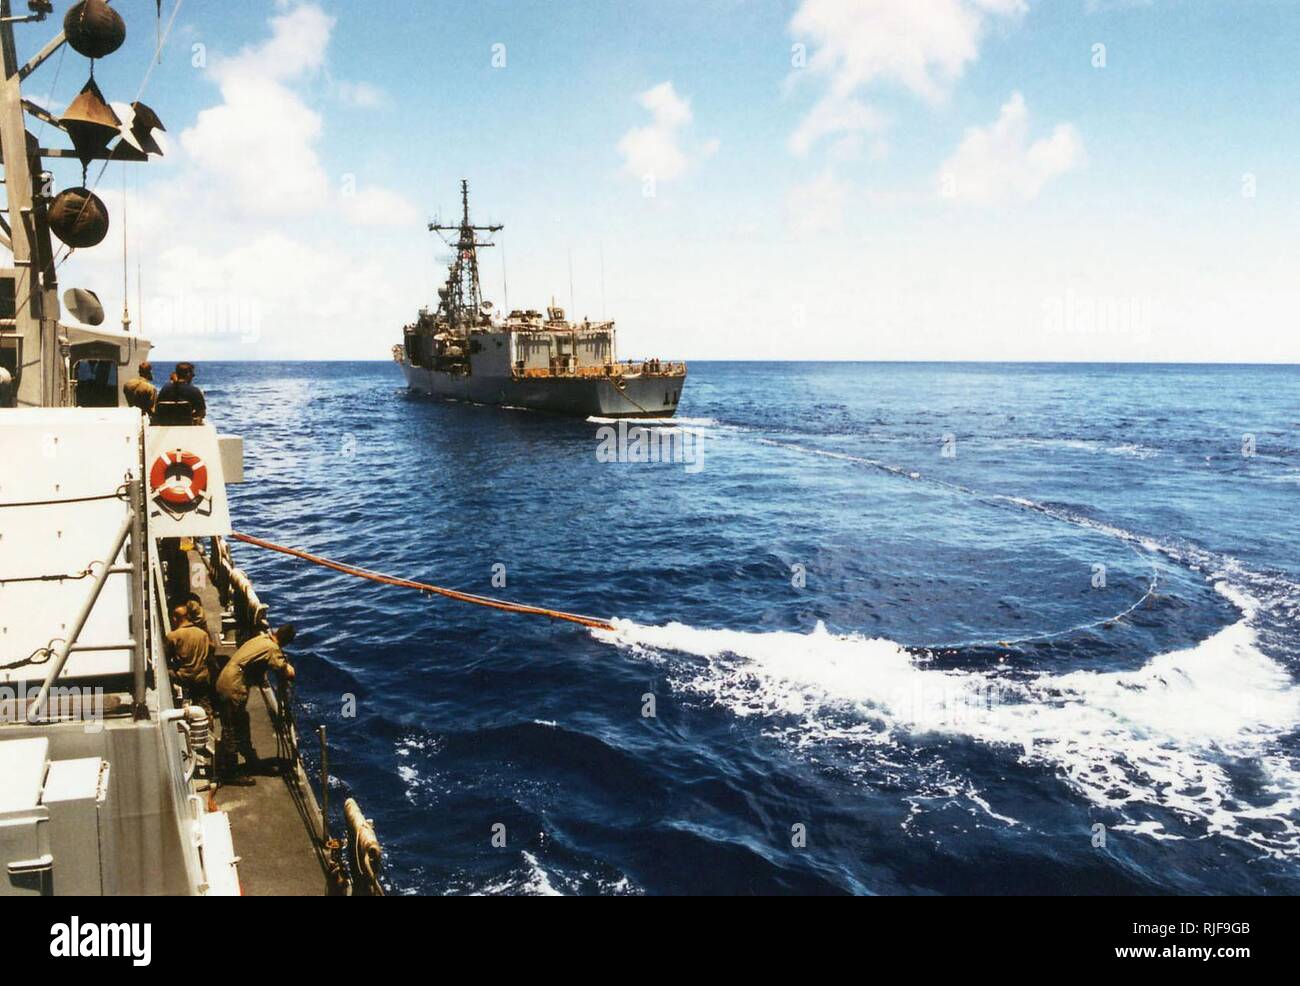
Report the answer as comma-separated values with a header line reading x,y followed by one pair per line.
x,y
356,871
236,591
131,531
662,368
646,368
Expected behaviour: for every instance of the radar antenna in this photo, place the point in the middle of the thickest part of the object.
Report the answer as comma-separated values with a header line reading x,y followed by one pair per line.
x,y
460,301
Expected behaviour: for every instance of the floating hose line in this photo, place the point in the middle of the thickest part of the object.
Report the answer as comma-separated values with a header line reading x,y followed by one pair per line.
x,y
465,597
1002,501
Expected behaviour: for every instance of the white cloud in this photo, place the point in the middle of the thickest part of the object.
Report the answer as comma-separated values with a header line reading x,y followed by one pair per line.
x,y
274,293
361,95
997,163
258,146
656,150
669,110
374,205
921,45
817,206
256,150
320,285
296,47
832,115
1104,6
250,246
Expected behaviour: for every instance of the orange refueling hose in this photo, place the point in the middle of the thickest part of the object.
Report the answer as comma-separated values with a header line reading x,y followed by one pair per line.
x,y
465,597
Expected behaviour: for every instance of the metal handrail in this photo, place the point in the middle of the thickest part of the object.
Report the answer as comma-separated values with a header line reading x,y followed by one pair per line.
x,y
119,540
139,606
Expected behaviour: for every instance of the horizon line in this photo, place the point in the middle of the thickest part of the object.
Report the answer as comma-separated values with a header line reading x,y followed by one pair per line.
x,y
882,362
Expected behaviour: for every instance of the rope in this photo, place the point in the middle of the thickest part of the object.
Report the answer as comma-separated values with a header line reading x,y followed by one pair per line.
x,y
628,397
49,100
38,656
76,499
465,597
90,570
1003,503
1105,621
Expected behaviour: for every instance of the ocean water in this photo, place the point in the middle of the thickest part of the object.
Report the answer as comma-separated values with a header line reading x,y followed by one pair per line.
x,y
905,628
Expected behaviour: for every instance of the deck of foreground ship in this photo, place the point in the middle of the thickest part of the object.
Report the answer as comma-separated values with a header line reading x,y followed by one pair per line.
x,y
277,823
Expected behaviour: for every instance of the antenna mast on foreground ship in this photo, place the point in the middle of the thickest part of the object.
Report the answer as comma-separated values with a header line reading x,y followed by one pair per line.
x,y
111,517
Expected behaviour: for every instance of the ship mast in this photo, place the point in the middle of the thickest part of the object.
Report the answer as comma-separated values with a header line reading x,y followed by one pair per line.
x,y
30,333
460,299
29,308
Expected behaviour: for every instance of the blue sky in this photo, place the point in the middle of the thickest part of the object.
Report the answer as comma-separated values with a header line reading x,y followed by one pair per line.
x,y
978,186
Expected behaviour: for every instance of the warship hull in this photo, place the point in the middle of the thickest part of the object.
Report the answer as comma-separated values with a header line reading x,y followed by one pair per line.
x,y
590,396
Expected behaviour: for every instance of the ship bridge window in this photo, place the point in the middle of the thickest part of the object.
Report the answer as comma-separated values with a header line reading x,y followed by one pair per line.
x,y
95,382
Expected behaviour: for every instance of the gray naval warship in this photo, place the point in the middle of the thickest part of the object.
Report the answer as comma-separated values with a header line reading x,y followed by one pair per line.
x,y
109,516
463,350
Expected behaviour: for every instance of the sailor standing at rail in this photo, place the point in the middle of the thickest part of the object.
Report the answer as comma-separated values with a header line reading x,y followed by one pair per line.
x,y
248,666
198,616
140,391
181,389
189,654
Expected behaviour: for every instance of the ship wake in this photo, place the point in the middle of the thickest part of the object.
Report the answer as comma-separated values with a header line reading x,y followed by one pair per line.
x,y
1189,745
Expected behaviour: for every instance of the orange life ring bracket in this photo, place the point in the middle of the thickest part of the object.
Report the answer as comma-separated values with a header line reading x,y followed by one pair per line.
x,y
178,481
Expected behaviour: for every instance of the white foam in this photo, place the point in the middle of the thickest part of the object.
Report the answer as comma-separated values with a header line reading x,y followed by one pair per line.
x,y
410,777
538,883
1132,449
534,882
1159,737
651,422
1089,445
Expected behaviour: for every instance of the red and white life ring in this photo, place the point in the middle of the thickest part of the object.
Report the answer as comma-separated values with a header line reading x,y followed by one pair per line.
x,y
179,479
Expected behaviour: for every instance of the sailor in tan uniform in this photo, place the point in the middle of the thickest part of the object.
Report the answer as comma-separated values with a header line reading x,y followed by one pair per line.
x,y
139,391
189,654
199,617
247,667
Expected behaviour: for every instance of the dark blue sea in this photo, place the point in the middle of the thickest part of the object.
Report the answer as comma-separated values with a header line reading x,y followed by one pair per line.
x,y
902,628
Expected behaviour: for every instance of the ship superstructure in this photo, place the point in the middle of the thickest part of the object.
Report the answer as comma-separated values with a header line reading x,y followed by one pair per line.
x,y
464,350
108,518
